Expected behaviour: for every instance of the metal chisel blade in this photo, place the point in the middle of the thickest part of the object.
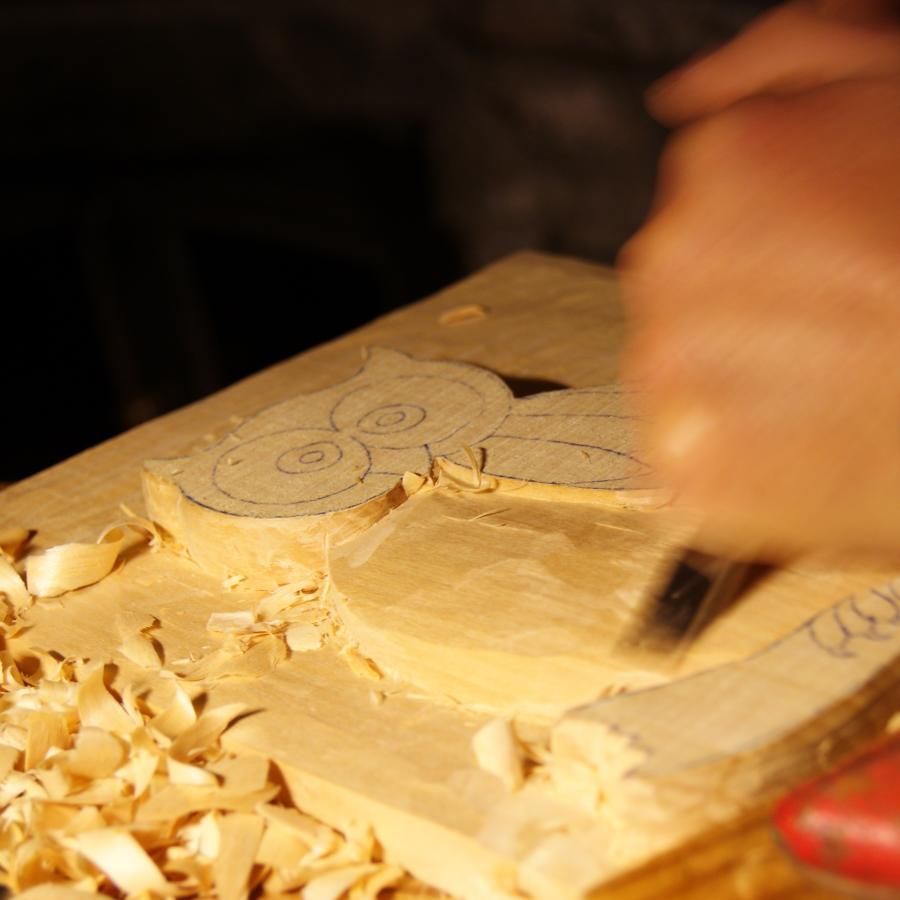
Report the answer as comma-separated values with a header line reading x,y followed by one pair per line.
x,y
677,609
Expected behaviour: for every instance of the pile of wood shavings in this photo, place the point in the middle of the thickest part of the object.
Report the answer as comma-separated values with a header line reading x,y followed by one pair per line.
x,y
103,791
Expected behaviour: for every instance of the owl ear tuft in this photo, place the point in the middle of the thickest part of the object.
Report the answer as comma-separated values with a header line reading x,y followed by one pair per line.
x,y
380,359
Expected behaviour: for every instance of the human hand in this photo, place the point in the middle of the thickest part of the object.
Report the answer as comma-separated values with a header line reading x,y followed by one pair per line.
x,y
764,294
795,47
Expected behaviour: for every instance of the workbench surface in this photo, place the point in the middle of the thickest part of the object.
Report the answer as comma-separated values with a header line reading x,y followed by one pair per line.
x,y
536,320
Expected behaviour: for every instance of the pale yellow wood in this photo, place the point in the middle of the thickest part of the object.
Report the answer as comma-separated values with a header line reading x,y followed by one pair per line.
x,y
405,765
513,604
497,601
318,468
709,747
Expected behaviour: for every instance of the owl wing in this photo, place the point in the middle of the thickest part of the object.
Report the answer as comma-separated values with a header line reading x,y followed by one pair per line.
x,y
579,438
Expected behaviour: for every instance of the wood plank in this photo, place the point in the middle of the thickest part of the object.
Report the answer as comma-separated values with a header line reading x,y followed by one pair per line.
x,y
399,765
405,765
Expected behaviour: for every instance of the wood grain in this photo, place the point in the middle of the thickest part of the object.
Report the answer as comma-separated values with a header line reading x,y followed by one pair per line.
x,y
320,467
405,765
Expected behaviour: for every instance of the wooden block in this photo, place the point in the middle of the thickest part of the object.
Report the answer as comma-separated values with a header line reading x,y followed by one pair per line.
x,y
721,739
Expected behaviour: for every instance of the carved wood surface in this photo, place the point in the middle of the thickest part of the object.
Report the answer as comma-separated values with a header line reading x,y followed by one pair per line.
x,y
788,699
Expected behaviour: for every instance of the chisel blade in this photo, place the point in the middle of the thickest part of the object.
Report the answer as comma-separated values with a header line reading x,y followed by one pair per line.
x,y
693,591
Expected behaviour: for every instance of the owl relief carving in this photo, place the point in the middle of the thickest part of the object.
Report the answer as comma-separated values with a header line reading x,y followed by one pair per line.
x,y
327,454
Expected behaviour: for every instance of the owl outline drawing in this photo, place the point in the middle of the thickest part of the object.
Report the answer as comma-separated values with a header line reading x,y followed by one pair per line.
x,y
346,445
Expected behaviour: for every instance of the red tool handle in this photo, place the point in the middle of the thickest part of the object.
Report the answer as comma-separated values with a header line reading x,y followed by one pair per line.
x,y
846,824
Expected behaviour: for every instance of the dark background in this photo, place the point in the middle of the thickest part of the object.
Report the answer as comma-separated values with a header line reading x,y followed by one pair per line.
x,y
191,190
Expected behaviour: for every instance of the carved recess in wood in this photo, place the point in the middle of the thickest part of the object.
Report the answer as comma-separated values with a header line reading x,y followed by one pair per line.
x,y
330,462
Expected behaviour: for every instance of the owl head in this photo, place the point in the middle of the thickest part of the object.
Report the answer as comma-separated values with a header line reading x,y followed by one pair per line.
x,y
344,446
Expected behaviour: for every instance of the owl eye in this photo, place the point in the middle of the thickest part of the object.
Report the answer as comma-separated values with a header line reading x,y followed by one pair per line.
x,y
291,468
381,414
312,457
391,419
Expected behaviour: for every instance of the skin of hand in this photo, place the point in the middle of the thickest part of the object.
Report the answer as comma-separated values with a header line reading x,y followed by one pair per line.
x,y
764,301
794,47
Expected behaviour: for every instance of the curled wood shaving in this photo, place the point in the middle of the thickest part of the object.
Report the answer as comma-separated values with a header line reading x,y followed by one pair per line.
x,y
121,858
13,541
413,482
254,641
466,480
476,461
239,838
101,793
587,764
52,892
68,567
12,587
142,650
286,597
138,643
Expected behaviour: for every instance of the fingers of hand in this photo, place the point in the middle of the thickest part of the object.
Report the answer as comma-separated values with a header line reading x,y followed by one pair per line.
x,y
783,432
795,47
763,295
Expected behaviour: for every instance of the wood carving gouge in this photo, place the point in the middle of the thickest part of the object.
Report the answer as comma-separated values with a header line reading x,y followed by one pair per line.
x,y
692,592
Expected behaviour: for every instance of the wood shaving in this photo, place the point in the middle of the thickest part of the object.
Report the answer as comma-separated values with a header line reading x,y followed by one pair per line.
x,y
498,751
142,650
471,479
102,794
251,658
121,858
359,663
67,567
287,597
459,315
236,622
476,461
413,482
138,644
13,541
12,587
303,637
333,885
105,793
291,618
